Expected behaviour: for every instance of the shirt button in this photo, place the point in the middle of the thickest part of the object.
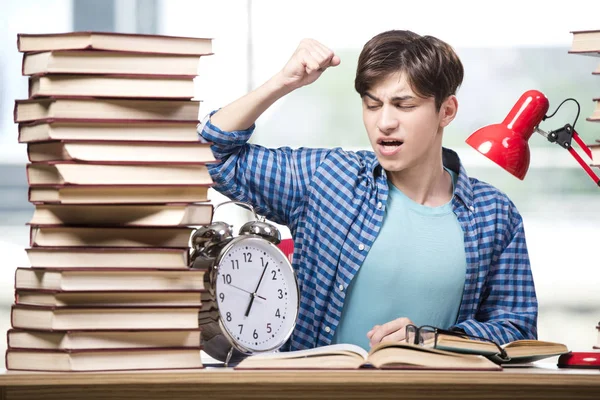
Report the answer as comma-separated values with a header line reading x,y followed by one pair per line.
x,y
341,287
361,247
472,208
327,329
379,205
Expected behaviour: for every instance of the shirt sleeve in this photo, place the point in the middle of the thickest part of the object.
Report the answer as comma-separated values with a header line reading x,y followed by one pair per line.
x,y
274,181
509,308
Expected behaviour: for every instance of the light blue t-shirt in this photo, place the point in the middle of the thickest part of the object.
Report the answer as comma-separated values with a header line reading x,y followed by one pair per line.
x,y
415,269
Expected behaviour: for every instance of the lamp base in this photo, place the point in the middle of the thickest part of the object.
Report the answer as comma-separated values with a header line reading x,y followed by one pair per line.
x,y
580,359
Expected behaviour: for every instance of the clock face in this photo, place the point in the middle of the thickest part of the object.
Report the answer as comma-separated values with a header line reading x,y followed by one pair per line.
x,y
257,294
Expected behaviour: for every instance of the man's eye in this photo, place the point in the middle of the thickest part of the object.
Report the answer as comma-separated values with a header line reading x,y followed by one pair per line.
x,y
405,106
372,106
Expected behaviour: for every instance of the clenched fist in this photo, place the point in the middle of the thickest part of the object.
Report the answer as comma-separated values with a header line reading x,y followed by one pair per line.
x,y
307,64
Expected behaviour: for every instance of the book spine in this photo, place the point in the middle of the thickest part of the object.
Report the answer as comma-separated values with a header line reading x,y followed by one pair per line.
x,y
15,112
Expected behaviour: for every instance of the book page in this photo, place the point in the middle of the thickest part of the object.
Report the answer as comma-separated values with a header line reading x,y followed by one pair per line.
x,y
341,349
338,356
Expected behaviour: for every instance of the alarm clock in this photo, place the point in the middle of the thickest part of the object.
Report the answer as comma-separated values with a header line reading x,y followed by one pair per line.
x,y
253,289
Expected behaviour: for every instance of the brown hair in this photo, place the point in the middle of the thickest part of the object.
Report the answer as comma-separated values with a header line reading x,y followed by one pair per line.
x,y
431,66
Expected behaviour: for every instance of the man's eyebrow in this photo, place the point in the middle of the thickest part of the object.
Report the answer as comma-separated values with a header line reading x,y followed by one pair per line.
x,y
395,98
369,95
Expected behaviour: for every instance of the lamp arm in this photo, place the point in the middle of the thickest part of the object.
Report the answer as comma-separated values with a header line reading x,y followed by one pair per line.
x,y
580,160
581,144
562,137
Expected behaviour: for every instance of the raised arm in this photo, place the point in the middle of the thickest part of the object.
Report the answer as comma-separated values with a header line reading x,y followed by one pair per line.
x,y
274,181
305,66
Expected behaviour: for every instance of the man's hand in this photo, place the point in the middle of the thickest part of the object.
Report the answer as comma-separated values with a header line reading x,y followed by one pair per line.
x,y
392,331
307,64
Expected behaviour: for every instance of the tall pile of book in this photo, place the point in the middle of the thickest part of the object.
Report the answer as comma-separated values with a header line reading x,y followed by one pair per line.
x,y
588,43
118,180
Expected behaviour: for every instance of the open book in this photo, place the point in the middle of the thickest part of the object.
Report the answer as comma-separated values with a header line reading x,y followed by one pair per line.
x,y
518,352
395,355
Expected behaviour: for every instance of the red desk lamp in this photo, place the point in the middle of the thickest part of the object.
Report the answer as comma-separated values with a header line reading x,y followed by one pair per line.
x,y
506,143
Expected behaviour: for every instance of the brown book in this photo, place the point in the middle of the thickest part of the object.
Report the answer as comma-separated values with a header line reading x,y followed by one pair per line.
x,y
108,62
80,279
103,318
122,151
107,257
114,41
108,236
111,86
158,131
69,172
390,355
87,340
108,194
61,298
595,117
115,110
168,215
586,42
102,360
518,352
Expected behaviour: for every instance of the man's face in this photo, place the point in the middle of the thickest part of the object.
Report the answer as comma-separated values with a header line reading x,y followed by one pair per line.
x,y
404,129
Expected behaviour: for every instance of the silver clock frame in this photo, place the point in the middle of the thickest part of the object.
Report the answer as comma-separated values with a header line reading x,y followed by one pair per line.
x,y
217,342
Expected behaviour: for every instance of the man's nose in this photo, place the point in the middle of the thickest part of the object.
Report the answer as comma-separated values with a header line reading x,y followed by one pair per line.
x,y
388,121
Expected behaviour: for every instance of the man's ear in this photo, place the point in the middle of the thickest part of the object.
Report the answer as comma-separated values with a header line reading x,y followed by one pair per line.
x,y
448,110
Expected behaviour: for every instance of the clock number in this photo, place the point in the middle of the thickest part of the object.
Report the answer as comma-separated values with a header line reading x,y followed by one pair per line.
x,y
248,257
255,334
226,278
269,330
274,275
235,264
241,328
222,297
280,294
262,260
277,313
228,316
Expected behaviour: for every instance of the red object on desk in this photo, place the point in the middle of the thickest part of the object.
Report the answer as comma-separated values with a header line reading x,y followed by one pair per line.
x,y
580,359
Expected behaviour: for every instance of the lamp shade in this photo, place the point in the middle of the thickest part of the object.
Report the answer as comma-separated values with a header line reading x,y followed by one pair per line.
x,y
506,143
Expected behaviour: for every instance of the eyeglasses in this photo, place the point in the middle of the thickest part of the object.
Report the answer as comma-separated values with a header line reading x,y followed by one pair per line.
x,y
427,336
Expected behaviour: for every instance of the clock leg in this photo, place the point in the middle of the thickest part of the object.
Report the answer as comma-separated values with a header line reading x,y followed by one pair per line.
x,y
229,354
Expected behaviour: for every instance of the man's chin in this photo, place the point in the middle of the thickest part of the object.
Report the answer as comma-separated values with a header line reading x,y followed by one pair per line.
x,y
391,165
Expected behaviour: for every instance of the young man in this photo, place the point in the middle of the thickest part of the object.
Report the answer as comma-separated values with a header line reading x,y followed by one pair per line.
x,y
388,237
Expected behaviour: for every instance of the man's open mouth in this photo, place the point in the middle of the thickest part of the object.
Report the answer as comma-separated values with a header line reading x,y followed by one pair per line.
x,y
390,144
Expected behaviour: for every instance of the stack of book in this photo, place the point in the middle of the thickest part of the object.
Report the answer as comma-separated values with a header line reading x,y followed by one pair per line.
x,y
588,43
118,180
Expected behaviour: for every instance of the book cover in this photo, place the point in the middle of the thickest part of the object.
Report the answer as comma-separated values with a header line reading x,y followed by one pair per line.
x,y
171,215
102,110
65,129
95,173
141,43
120,151
116,339
109,279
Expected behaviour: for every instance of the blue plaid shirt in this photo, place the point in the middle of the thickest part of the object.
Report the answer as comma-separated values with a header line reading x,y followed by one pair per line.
x,y
334,201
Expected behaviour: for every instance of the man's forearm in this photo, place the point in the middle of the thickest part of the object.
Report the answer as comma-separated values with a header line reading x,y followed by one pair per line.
x,y
243,112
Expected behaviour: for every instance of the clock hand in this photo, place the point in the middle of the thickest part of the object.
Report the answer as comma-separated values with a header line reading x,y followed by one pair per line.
x,y
256,290
246,291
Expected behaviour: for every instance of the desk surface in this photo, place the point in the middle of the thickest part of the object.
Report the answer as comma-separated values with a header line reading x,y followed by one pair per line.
x,y
511,383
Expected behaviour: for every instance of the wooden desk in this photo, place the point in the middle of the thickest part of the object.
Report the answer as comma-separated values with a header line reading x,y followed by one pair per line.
x,y
521,383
